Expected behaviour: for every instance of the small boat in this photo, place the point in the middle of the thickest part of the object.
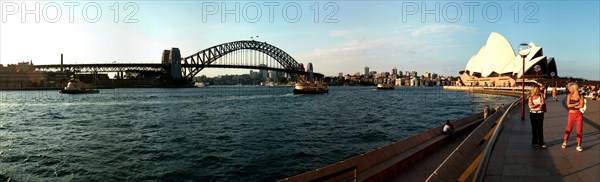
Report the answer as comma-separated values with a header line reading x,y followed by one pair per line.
x,y
310,88
74,87
382,86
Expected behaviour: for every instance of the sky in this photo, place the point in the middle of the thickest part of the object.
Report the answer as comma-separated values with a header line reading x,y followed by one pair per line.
x,y
336,36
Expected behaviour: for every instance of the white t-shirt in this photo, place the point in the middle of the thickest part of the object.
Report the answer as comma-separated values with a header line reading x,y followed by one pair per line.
x,y
447,128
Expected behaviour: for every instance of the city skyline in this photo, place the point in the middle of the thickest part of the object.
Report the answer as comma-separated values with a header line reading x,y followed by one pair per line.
x,y
341,37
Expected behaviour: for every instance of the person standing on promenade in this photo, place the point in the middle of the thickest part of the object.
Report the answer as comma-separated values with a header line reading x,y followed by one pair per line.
x,y
536,115
543,91
574,103
554,97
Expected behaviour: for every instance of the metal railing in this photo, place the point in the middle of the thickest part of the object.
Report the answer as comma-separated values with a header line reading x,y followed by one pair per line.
x,y
482,168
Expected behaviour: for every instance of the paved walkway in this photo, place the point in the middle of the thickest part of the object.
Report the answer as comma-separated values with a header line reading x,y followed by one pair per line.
x,y
422,169
514,159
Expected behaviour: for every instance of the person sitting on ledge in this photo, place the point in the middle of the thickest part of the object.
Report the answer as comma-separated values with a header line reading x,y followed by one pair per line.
x,y
448,129
486,111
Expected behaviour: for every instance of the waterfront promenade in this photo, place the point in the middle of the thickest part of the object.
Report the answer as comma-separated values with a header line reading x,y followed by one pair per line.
x,y
514,159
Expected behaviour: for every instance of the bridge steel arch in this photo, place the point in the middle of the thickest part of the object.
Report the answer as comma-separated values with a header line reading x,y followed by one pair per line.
x,y
207,56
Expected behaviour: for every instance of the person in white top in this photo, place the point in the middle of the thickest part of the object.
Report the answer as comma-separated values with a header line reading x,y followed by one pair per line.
x,y
448,129
536,115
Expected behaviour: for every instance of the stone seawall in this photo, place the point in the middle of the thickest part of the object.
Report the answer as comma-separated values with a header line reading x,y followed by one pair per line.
x,y
386,162
468,151
510,91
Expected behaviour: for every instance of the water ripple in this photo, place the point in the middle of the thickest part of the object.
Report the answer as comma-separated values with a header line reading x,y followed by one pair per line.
x,y
212,133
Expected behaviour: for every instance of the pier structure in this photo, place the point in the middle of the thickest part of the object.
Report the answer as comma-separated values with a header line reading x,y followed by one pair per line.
x,y
497,149
393,160
514,159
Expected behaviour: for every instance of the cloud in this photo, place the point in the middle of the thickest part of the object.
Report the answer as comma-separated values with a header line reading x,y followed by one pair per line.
x,y
390,45
440,29
399,50
404,47
376,53
337,33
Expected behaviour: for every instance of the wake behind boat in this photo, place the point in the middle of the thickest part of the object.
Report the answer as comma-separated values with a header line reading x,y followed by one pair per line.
x,y
75,87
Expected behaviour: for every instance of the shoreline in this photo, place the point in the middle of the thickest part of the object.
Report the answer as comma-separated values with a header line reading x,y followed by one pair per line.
x,y
29,88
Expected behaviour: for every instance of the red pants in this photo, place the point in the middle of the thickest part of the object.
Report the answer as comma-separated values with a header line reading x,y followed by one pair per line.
x,y
574,117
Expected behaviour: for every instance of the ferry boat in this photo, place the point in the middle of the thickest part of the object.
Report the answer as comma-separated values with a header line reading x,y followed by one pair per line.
x,y
75,87
381,86
310,88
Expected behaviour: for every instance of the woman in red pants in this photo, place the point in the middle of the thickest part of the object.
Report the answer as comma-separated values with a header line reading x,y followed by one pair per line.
x,y
574,103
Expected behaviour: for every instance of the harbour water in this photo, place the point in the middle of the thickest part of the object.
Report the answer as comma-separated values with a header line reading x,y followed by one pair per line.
x,y
212,133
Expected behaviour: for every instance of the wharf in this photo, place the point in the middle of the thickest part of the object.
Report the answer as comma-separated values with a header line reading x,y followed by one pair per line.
x,y
514,159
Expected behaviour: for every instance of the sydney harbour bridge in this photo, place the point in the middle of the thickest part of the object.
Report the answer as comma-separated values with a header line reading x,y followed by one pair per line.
x,y
245,54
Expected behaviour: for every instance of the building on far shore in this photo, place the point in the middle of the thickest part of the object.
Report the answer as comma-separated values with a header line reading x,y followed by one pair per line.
x,y
22,75
496,64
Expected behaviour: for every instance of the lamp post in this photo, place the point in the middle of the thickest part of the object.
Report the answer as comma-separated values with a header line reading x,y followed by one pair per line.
x,y
524,49
538,73
552,74
538,70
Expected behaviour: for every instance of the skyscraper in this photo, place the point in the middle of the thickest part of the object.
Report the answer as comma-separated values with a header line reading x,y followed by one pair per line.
x,y
394,71
413,73
366,71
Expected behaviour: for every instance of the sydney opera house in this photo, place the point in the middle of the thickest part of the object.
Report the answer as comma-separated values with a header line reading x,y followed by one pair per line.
x,y
497,65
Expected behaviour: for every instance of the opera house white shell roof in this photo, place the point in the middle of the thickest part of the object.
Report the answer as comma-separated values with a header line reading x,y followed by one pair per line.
x,y
497,56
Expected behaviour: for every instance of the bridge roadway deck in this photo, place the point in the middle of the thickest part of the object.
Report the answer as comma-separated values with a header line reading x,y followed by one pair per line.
x,y
119,67
514,158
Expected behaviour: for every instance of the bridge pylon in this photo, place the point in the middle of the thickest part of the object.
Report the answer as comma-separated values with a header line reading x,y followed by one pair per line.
x,y
171,59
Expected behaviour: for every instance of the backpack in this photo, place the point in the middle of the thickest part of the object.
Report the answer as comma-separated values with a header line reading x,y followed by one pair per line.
x,y
544,109
582,110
